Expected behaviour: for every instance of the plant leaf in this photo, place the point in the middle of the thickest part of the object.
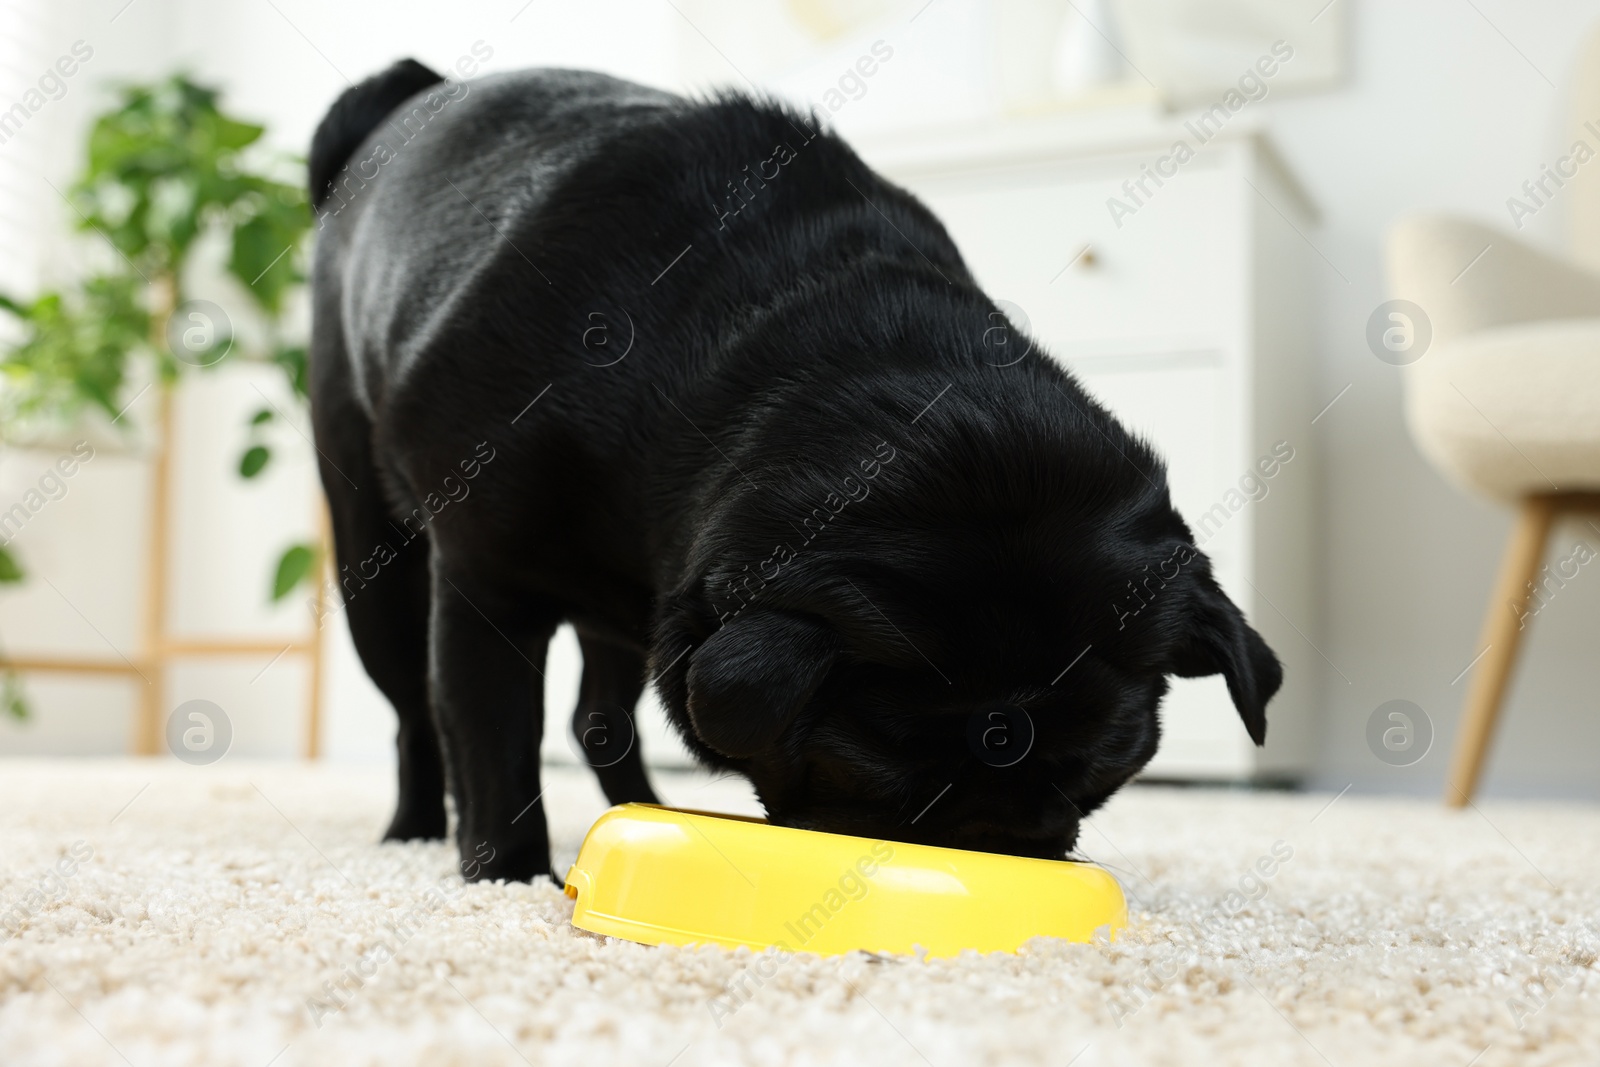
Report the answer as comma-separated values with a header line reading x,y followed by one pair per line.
x,y
296,565
9,570
74,349
166,165
263,256
292,358
264,415
254,459
12,698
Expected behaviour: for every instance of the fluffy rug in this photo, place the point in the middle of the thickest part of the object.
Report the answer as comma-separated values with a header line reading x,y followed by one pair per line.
x,y
156,913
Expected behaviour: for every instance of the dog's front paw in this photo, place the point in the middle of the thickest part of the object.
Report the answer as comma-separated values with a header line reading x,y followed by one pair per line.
x,y
417,822
494,861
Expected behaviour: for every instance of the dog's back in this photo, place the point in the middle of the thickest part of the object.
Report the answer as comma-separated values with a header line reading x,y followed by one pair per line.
x,y
570,236
434,193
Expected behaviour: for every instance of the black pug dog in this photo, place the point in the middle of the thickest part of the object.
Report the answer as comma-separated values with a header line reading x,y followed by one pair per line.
x,y
690,376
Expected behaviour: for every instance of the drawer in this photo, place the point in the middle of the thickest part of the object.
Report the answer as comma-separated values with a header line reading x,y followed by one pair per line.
x,y
1173,272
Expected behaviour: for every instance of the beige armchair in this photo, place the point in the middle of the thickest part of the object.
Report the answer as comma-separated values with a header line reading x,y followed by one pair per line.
x,y
1505,400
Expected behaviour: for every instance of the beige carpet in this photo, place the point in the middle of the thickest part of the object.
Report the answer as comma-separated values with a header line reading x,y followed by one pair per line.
x,y
157,913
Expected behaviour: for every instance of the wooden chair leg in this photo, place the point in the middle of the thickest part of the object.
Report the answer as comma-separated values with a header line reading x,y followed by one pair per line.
x,y
1502,633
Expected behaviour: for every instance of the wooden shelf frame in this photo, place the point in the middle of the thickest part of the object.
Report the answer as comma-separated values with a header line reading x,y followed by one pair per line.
x,y
160,648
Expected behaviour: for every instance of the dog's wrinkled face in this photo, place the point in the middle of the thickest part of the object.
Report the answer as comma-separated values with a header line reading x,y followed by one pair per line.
x,y
984,690
962,640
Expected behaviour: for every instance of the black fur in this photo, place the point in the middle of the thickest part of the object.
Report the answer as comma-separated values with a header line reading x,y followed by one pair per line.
x,y
690,376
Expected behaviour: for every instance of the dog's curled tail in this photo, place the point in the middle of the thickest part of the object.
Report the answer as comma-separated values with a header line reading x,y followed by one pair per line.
x,y
356,113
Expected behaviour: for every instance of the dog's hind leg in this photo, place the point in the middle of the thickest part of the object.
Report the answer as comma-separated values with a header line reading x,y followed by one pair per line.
x,y
389,624
383,583
604,723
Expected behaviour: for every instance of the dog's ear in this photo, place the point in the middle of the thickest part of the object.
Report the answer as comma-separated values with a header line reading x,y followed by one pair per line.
x,y
750,679
1217,640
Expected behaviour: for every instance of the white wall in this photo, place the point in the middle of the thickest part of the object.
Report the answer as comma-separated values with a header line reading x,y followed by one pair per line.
x,y
1439,112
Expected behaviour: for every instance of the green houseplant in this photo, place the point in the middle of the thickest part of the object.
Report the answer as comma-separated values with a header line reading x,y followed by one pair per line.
x,y
167,170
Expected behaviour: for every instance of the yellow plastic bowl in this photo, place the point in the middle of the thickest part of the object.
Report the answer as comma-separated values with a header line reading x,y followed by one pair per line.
x,y
668,876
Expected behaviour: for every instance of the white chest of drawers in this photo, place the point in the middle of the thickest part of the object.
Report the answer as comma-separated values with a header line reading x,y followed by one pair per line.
x,y
1186,311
